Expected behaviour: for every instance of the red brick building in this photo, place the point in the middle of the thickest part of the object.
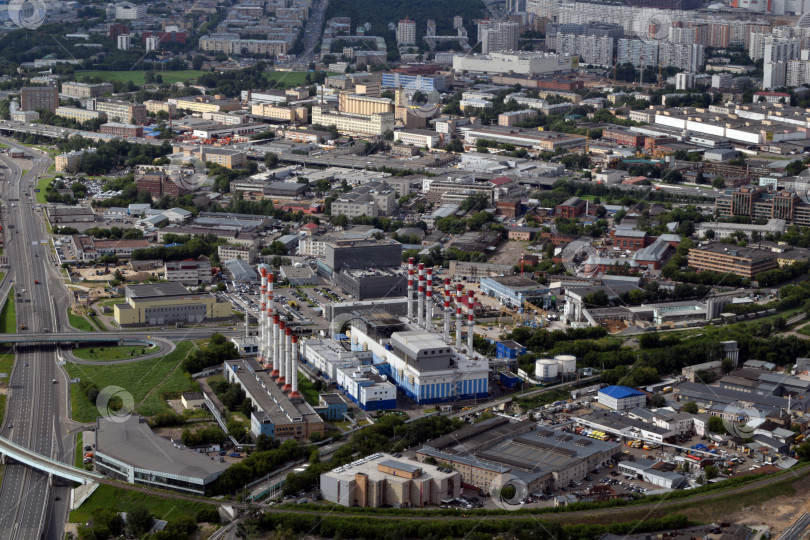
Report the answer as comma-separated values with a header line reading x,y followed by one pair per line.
x,y
121,130
508,208
158,185
623,136
572,208
630,239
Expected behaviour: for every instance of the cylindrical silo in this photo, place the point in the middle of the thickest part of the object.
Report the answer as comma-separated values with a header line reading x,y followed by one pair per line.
x,y
545,370
567,363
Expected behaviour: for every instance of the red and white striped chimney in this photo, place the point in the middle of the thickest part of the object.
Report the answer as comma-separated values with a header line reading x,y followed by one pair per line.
x,y
294,393
410,289
447,310
281,365
288,361
261,320
273,352
458,316
429,301
470,321
420,306
268,339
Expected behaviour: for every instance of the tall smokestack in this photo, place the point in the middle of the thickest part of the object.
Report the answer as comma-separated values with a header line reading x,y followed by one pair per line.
x,y
447,310
268,341
470,321
429,301
420,306
282,366
273,350
294,393
410,289
261,319
458,316
288,360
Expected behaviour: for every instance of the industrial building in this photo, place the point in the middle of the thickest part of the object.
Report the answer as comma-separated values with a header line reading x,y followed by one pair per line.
x,y
523,63
128,450
277,413
382,480
621,398
371,283
496,450
167,303
188,272
355,254
513,291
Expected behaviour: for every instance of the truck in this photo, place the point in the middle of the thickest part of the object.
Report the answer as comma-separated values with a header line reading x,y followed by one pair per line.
x,y
236,454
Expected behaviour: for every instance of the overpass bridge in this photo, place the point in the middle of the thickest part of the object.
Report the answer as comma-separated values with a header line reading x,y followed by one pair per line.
x,y
76,337
46,464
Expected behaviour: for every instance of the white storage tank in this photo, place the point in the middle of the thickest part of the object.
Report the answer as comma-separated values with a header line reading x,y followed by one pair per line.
x,y
567,363
545,369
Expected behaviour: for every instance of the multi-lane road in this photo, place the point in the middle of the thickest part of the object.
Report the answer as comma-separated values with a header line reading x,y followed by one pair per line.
x,y
30,505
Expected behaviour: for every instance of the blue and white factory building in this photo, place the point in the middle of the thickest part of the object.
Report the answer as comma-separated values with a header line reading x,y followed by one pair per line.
x,y
424,367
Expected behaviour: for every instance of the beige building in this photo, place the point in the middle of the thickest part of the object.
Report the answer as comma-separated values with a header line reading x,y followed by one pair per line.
x,y
231,44
69,162
121,111
167,303
154,106
357,104
277,112
231,159
382,480
80,115
202,104
85,90
227,252
374,124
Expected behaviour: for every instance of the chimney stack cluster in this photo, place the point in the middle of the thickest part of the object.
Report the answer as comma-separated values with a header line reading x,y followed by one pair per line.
x,y
278,348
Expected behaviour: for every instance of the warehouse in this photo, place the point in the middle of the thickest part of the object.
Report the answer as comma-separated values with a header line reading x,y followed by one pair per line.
x,y
240,270
299,275
381,480
512,291
621,398
372,283
645,470
58,215
544,459
167,303
128,450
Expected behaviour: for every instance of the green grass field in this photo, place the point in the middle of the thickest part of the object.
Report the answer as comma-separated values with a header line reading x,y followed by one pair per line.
x,y
6,365
3,398
42,184
139,77
102,354
122,500
148,381
79,457
8,317
306,389
80,323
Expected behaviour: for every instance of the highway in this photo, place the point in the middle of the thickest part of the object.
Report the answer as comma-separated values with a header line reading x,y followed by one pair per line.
x,y
27,497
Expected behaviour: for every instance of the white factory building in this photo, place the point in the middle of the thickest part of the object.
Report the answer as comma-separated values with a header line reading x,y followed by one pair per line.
x,y
421,361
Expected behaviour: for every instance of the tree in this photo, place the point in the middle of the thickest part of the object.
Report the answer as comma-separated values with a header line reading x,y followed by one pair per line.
x,y
657,400
794,168
719,182
271,160
727,365
711,472
716,425
690,407
139,521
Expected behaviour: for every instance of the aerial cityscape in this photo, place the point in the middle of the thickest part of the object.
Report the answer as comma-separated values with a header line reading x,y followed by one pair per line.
x,y
514,269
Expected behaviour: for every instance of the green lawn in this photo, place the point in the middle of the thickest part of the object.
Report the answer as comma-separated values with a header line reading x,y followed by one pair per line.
x,y
42,184
80,323
8,317
306,389
122,500
101,354
97,321
79,458
139,77
3,398
157,375
6,365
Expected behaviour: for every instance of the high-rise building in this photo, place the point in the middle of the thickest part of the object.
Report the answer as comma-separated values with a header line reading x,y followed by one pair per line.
x,y
406,32
590,49
684,81
774,75
637,52
685,57
124,42
152,43
34,98
798,72
498,36
458,22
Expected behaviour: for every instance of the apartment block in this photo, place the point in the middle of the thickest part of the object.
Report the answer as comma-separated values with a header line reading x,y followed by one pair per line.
x,y
498,36
373,124
85,90
154,106
724,258
121,111
513,118
758,202
406,32
590,49
637,52
34,98
68,162
79,115
232,44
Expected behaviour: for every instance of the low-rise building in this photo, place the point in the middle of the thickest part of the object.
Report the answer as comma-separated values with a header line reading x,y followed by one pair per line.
x,y
121,130
421,138
88,248
188,272
381,480
227,252
127,449
512,291
59,215
299,275
361,124
621,398
167,303
745,262
80,90
79,115
226,157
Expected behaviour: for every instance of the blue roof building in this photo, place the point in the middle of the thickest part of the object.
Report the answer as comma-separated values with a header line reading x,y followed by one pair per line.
x,y
621,398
